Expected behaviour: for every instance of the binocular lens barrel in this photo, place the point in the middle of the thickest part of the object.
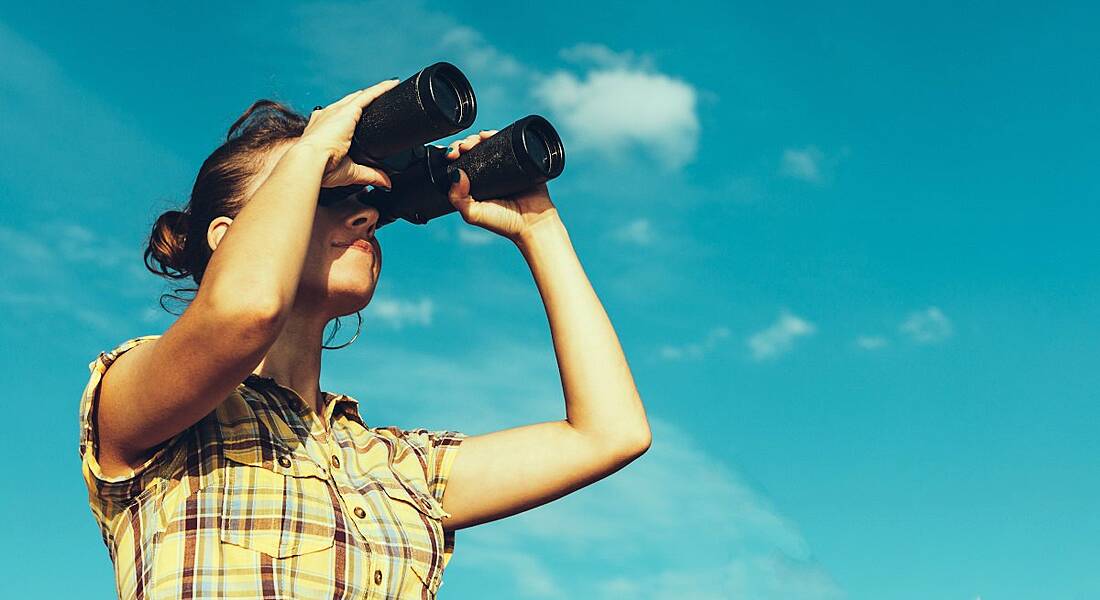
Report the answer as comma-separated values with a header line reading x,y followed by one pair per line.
x,y
526,153
436,102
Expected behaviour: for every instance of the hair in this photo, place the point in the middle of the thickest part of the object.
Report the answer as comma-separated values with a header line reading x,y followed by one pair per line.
x,y
178,245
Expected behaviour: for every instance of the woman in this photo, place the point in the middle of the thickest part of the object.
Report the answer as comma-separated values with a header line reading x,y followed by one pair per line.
x,y
215,464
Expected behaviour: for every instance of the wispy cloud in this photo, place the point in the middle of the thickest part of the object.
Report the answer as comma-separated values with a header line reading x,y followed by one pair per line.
x,y
742,545
927,326
802,163
696,350
779,338
872,342
637,231
399,313
620,103
471,235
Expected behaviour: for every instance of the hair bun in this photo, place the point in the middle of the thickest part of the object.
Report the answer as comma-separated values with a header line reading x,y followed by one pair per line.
x,y
167,243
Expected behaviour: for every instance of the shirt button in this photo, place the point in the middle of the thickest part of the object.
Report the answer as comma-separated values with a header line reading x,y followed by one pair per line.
x,y
285,462
359,512
378,577
335,462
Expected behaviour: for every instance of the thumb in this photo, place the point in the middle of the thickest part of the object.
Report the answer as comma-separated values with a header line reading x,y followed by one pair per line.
x,y
369,176
348,172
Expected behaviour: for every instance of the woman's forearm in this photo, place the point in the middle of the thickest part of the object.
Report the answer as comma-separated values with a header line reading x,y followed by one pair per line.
x,y
259,260
601,398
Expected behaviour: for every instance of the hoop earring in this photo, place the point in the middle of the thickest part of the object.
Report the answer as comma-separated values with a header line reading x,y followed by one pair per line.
x,y
358,326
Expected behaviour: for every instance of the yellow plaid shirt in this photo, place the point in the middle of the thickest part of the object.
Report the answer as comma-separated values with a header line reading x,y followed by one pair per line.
x,y
257,500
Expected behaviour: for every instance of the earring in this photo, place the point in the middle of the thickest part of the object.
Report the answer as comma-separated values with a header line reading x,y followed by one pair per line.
x,y
358,326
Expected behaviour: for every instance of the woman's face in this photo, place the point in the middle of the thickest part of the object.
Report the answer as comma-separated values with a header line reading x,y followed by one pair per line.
x,y
337,278
340,276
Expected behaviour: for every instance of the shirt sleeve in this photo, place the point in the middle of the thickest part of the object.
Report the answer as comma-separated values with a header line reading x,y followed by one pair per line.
x,y
117,487
439,449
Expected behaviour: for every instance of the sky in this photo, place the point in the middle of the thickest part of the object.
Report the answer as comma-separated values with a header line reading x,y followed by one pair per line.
x,y
848,248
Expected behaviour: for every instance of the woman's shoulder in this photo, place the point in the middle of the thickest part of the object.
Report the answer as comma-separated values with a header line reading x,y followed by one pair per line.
x,y
106,357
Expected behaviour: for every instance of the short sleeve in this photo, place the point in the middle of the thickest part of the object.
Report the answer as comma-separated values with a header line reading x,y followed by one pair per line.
x,y
118,487
435,451
442,448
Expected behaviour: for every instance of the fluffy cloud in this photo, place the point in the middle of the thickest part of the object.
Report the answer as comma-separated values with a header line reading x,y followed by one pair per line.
x,y
779,338
620,104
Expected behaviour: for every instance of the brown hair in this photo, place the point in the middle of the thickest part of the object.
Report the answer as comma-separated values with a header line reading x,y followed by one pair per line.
x,y
178,246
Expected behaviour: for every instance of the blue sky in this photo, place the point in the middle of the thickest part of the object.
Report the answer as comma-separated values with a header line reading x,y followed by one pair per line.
x,y
849,250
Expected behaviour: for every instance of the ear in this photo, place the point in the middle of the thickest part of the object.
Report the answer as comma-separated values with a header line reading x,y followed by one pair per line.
x,y
216,231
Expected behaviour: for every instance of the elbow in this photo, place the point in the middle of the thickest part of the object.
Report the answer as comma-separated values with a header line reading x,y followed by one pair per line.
x,y
636,444
254,328
246,311
643,443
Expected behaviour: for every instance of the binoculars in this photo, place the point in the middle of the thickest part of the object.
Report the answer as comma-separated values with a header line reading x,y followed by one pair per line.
x,y
437,102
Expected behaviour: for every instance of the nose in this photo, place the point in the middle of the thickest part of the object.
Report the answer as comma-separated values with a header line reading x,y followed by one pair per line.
x,y
363,219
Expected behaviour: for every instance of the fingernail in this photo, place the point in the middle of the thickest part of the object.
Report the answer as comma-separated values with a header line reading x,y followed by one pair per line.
x,y
455,176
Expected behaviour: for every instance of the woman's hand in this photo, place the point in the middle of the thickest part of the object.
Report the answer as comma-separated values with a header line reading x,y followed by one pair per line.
x,y
511,216
330,130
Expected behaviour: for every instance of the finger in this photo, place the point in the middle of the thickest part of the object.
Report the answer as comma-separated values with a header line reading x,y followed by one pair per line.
x,y
372,92
362,175
487,134
460,193
368,95
469,142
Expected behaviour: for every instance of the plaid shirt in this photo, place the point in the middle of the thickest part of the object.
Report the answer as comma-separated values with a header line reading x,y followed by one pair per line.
x,y
257,500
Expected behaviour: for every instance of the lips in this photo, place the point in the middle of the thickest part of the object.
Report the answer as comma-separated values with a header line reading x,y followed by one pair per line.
x,y
363,245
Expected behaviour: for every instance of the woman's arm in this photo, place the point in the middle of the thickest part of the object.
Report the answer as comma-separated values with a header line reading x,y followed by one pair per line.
x,y
502,473
601,400
158,389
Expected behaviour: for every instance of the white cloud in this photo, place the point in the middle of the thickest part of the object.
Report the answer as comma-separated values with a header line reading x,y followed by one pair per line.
x,y
603,57
779,338
637,232
871,342
399,313
927,326
615,110
695,350
802,163
471,235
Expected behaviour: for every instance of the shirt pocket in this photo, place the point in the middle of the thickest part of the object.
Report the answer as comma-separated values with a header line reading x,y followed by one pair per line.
x,y
421,518
276,502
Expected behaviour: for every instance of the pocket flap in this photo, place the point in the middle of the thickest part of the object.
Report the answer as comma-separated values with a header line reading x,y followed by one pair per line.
x,y
406,490
273,456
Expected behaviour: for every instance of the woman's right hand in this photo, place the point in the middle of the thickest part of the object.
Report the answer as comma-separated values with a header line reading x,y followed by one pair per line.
x,y
330,130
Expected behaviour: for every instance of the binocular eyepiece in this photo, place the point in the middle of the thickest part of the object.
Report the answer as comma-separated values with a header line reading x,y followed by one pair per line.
x,y
437,102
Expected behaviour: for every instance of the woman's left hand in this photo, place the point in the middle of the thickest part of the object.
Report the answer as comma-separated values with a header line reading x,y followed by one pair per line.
x,y
510,216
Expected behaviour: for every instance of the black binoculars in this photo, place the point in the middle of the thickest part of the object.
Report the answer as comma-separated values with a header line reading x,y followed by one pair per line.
x,y
437,102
